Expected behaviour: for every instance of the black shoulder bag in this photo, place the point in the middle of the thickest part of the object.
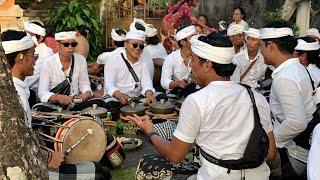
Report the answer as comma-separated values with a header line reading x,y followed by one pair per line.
x,y
304,138
256,150
65,86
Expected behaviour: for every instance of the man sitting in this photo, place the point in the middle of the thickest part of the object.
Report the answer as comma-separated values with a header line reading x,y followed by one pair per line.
x,y
236,36
176,69
250,63
126,74
64,76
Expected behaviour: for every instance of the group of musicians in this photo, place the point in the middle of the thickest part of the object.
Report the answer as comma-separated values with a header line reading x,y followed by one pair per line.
x,y
218,117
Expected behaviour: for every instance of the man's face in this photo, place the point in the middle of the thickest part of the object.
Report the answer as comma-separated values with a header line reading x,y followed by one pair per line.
x,y
202,20
253,44
238,39
134,47
28,62
197,70
67,47
265,51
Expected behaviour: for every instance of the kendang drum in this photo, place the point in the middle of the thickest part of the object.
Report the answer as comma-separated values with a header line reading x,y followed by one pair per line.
x,y
114,153
87,135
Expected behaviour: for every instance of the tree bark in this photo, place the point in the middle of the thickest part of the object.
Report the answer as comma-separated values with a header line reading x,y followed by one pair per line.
x,y
288,8
20,155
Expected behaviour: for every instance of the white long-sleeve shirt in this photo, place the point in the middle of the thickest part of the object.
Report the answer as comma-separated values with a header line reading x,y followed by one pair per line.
x,y
314,73
103,58
43,52
173,68
292,105
219,118
52,74
256,72
118,77
157,51
24,94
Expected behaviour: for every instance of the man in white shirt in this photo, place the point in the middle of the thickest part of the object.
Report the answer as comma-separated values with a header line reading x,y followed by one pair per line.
x,y
118,36
314,158
217,118
235,33
56,71
19,51
42,51
291,100
176,67
120,83
250,62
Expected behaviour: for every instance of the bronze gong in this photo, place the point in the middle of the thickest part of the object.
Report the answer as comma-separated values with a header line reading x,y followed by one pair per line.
x,y
133,108
97,111
162,107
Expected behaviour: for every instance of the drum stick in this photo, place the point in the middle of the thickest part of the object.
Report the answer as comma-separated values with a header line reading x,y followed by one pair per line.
x,y
46,148
89,132
49,137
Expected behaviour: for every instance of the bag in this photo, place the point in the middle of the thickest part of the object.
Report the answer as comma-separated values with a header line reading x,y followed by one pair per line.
x,y
256,150
65,86
304,138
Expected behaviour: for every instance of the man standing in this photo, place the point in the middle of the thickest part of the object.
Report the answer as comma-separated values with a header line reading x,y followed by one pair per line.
x,y
291,100
127,74
250,62
236,35
210,117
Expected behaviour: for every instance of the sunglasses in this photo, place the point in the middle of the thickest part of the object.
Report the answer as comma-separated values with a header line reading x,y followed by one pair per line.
x,y
135,46
73,44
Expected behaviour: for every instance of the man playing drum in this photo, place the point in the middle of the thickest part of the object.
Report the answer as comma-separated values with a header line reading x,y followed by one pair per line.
x,y
64,76
19,51
217,117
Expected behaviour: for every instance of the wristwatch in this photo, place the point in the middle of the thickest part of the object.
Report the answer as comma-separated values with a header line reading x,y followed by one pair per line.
x,y
150,134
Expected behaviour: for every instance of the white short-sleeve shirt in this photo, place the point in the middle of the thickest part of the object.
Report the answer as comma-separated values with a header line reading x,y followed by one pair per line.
x,y
24,94
157,51
219,118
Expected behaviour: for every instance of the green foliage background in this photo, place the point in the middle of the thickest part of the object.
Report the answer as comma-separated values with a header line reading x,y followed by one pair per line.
x,y
69,15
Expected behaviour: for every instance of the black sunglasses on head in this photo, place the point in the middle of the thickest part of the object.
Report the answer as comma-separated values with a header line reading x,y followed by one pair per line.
x,y
135,46
73,44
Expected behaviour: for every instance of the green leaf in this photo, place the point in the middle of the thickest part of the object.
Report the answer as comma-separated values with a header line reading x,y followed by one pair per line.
x,y
79,19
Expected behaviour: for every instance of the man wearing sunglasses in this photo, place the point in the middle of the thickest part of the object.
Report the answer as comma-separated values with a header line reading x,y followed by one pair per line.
x,y
127,74
64,76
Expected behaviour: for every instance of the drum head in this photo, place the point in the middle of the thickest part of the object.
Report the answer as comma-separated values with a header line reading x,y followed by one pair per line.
x,y
92,148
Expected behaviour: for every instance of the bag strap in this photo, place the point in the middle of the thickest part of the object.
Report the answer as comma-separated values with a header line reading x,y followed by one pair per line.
x,y
255,109
312,82
71,70
135,77
247,70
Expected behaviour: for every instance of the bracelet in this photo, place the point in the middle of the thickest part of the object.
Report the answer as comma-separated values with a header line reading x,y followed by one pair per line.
x,y
150,134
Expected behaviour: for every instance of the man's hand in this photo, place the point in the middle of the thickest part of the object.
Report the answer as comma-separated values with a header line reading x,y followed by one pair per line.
x,y
61,99
183,83
84,97
56,160
122,98
146,126
150,98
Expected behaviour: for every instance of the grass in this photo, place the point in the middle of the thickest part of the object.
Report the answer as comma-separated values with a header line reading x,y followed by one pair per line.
x,y
123,174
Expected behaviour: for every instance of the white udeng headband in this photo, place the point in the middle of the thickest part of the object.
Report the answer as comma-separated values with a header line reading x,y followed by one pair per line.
x,y
116,36
136,20
151,30
185,32
220,55
65,35
33,28
253,33
17,45
138,35
270,33
305,46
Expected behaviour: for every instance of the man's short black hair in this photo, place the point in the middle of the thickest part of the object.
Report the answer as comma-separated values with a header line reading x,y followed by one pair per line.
x,y
12,35
312,56
217,40
285,44
154,40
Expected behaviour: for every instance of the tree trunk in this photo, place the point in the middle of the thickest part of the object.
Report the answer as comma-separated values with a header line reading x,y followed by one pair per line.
x,y
288,8
303,17
20,155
